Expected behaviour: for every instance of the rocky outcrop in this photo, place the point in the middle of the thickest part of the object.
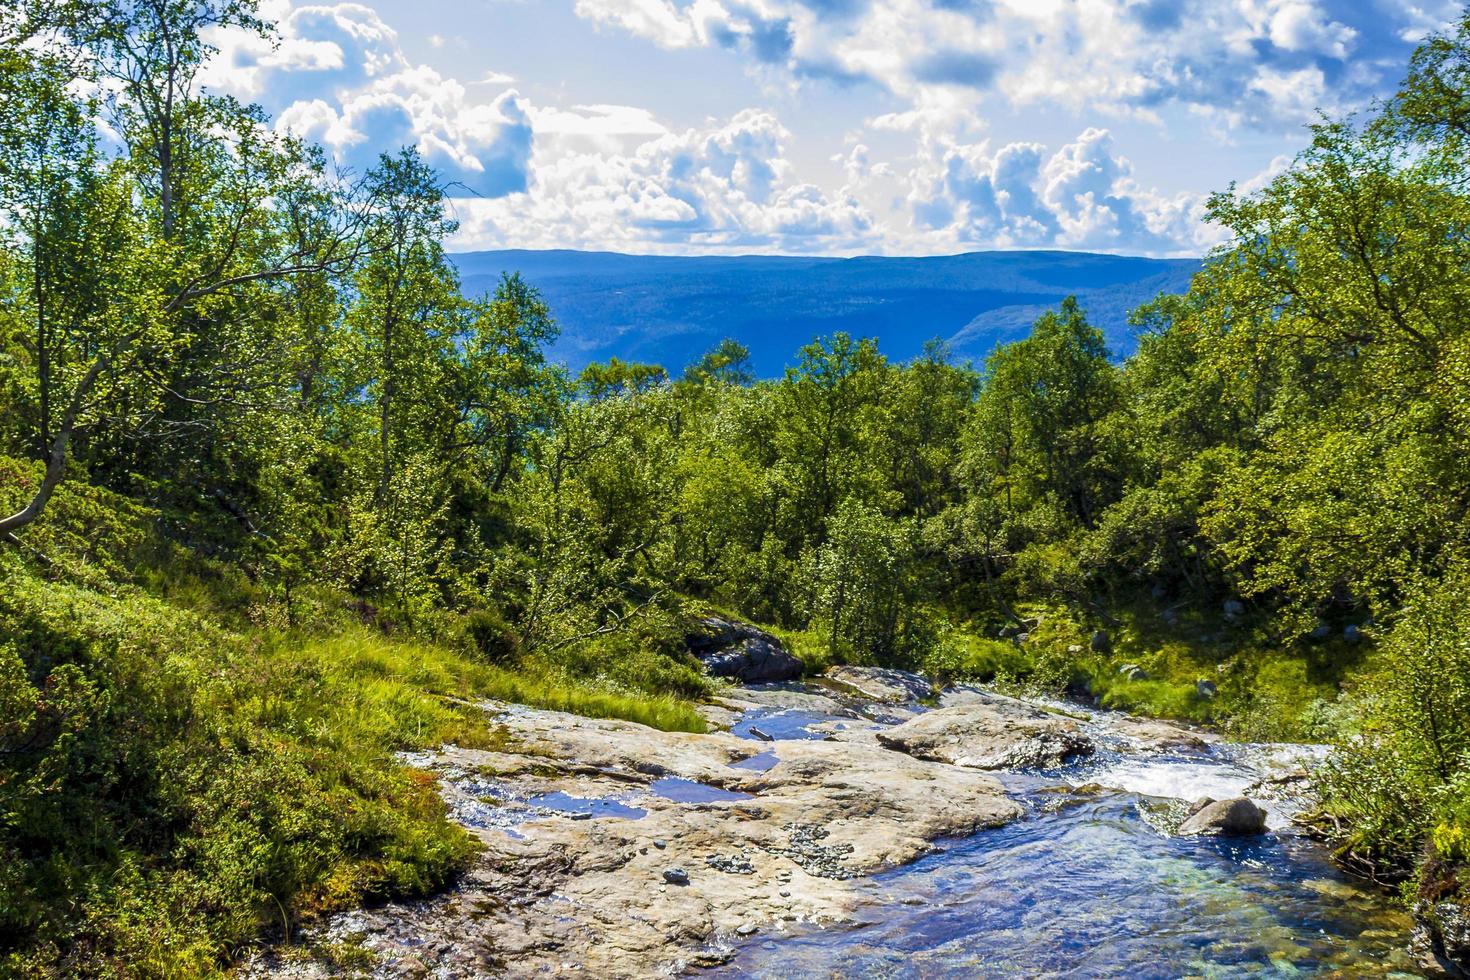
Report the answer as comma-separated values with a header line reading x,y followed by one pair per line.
x,y
654,886
995,733
1224,818
881,684
741,652
1441,937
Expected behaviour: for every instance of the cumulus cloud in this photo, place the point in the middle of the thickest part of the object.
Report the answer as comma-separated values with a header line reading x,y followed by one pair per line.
x,y
915,175
1081,196
1128,57
338,76
728,185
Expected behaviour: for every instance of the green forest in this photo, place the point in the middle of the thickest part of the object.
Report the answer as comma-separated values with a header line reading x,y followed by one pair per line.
x,y
278,500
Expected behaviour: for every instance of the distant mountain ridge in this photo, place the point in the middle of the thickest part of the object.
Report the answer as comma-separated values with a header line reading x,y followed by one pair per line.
x,y
671,309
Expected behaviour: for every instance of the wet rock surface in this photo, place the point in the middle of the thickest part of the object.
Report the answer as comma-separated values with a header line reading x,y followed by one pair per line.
x,y
1239,817
551,895
995,733
881,684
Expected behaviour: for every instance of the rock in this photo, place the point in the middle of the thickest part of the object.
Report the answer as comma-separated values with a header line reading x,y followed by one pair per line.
x,y
1206,688
747,929
1352,633
1023,638
557,891
881,684
994,733
1149,735
1322,633
1101,642
1233,608
1442,937
741,652
1225,818
1133,672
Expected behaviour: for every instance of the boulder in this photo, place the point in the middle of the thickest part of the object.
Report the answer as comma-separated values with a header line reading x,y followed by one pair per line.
x,y
1133,672
1224,818
1206,689
993,733
741,652
1101,642
881,684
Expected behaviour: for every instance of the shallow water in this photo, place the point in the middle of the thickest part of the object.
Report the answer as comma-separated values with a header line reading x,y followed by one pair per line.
x,y
1090,884
689,791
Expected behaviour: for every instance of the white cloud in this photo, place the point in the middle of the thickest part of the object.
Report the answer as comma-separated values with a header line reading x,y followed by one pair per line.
x,y
1081,196
714,188
338,76
1124,57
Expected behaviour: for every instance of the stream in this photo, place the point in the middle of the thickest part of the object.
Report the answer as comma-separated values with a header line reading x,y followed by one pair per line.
x,y
1091,883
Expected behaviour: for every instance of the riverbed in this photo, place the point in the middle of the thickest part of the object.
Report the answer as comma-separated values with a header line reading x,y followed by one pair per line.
x,y
808,840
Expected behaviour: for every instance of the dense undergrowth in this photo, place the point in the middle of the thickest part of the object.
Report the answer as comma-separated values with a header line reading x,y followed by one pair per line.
x,y
177,779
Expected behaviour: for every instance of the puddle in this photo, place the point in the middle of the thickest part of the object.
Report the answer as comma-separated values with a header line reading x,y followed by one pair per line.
x,y
689,791
574,806
760,762
795,724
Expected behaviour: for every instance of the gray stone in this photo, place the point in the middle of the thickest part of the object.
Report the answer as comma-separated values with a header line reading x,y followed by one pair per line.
x,y
1224,818
1101,642
676,876
741,652
1352,633
1206,688
1321,633
990,733
1133,672
881,684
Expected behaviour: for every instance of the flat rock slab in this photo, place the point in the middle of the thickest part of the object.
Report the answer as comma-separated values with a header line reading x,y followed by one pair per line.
x,y
996,734
606,896
881,684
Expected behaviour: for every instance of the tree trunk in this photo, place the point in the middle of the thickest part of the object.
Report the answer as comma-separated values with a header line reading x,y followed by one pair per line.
x,y
56,460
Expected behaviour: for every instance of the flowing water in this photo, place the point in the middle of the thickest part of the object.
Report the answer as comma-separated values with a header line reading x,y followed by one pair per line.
x,y
1091,884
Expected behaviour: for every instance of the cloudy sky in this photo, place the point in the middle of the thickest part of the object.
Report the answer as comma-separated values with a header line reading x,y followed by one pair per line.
x,y
827,126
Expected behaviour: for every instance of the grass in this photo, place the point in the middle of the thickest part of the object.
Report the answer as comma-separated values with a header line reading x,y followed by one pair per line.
x,y
172,786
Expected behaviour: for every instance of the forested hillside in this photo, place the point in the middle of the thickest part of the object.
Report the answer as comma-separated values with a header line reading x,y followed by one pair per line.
x,y
278,496
670,309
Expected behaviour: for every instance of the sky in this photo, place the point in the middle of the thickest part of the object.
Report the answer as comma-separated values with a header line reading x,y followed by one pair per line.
x,y
827,127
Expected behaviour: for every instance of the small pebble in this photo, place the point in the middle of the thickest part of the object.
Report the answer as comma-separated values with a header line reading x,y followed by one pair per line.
x,y
746,928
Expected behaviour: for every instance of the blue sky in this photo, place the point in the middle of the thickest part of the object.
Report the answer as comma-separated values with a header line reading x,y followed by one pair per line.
x,y
827,126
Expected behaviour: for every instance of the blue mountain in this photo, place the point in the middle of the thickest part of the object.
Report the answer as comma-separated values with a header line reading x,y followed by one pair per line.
x,y
671,309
